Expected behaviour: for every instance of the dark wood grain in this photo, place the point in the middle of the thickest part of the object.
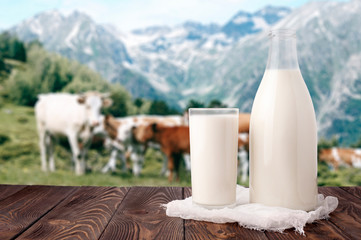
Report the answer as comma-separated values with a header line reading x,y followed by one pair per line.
x,y
83,215
347,216
356,191
141,216
22,209
322,229
52,212
8,190
207,230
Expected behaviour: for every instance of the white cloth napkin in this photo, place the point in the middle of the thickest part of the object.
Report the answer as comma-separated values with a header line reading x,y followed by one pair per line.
x,y
252,215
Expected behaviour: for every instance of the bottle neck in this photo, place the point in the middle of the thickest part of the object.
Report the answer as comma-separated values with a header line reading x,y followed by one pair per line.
x,y
283,51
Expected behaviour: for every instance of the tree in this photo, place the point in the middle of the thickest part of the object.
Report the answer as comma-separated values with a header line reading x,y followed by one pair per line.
x,y
160,107
12,48
138,102
325,143
2,64
194,104
216,104
122,103
17,50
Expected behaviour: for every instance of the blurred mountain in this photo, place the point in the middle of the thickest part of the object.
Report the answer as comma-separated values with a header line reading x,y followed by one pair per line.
x,y
208,61
77,36
156,58
244,23
329,51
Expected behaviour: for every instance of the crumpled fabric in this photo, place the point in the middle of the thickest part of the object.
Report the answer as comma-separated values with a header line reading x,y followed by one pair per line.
x,y
253,215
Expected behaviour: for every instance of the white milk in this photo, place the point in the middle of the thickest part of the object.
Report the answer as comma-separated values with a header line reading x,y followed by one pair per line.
x,y
283,142
213,142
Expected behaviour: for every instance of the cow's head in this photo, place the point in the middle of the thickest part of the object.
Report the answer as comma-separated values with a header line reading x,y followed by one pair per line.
x,y
144,133
111,126
93,102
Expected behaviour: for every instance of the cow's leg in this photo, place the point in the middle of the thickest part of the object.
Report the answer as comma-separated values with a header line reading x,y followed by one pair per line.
x,y
165,165
42,146
73,141
127,158
50,143
187,161
177,157
243,157
170,165
112,161
137,160
84,152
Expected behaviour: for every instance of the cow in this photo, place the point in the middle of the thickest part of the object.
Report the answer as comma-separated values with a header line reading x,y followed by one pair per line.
x,y
243,148
243,145
243,122
336,157
174,142
70,115
119,131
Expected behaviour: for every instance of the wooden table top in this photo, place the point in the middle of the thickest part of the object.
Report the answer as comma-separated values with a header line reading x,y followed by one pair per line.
x,y
56,212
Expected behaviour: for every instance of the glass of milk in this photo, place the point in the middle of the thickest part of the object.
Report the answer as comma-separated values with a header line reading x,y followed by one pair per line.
x,y
213,148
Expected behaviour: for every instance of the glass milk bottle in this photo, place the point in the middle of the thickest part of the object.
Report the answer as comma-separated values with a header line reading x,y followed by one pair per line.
x,y
283,132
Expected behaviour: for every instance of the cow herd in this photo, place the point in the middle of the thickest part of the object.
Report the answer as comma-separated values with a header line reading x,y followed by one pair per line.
x,y
78,117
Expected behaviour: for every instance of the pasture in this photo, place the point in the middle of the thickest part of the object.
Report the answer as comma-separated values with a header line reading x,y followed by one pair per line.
x,y
20,161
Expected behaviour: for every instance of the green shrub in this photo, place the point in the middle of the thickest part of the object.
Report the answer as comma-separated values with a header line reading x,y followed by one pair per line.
x,y
160,107
4,138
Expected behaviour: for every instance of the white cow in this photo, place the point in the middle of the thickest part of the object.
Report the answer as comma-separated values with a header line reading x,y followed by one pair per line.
x,y
73,116
243,141
120,131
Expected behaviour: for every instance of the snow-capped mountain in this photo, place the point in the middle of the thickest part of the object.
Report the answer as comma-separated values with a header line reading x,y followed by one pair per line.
x,y
205,62
244,23
157,58
167,56
78,37
329,51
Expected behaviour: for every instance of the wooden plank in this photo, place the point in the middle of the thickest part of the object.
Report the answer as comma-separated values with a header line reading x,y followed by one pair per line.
x,y
83,215
141,216
8,190
207,230
22,209
323,229
356,191
347,215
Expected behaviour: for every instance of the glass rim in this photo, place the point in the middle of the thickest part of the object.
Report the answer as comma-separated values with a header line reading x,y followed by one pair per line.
x,y
213,111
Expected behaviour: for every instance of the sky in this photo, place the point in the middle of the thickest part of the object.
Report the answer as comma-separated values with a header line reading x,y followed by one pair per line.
x,y
133,14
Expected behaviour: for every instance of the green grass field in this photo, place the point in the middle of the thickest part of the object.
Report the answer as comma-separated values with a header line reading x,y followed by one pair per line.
x,y
20,161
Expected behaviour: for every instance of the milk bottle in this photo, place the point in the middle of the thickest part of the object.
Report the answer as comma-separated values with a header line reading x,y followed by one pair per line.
x,y
283,132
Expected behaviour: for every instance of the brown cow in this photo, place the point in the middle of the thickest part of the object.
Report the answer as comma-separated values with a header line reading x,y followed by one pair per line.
x,y
243,122
174,142
119,131
341,156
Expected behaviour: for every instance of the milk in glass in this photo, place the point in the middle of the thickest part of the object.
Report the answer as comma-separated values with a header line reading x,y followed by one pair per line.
x,y
213,148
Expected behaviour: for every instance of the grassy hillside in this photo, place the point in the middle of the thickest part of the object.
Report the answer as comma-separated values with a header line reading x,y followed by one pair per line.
x,y
20,160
